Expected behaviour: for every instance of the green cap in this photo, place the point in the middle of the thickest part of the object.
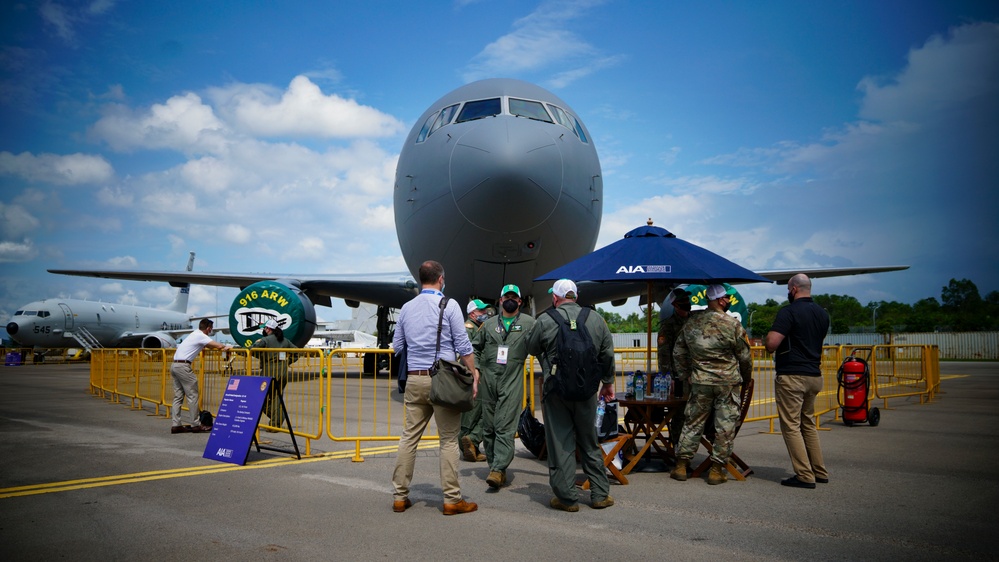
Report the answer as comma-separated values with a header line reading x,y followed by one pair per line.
x,y
510,289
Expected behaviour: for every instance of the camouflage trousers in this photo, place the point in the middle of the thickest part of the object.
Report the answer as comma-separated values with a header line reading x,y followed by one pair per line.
x,y
704,399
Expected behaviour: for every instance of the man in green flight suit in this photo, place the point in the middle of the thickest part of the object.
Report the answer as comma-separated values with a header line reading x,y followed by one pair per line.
x,y
712,351
500,352
570,424
274,364
471,421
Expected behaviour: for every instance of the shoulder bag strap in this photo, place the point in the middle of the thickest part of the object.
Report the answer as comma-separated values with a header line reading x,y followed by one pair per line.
x,y
440,326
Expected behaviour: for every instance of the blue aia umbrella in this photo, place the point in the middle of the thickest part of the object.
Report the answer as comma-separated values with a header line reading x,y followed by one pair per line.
x,y
653,254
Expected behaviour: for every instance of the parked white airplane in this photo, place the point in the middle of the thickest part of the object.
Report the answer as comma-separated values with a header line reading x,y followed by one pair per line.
x,y
58,323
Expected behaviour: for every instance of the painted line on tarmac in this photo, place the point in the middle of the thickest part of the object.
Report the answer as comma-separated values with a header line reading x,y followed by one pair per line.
x,y
84,483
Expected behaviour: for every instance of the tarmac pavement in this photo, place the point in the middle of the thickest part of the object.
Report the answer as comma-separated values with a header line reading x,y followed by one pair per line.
x,y
82,478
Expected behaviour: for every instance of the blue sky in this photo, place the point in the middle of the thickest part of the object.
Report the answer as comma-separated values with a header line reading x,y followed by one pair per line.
x,y
264,135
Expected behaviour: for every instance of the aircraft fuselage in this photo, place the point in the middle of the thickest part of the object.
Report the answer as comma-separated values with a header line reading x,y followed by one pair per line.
x,y
500,182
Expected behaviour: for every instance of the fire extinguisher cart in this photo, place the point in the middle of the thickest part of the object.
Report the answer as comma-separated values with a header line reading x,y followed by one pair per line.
x,y
854,379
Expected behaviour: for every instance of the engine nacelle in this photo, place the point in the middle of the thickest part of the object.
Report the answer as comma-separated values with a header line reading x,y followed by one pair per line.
x,y
158,340
283,301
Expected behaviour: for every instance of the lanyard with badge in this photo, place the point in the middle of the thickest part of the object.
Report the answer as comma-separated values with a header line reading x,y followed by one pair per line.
x,y
503,351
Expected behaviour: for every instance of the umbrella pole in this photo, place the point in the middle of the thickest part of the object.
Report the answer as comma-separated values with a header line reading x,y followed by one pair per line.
x,y
648,332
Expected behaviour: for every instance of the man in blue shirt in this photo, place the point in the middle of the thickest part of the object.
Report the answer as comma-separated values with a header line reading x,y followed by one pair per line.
x,y
416,328
795,339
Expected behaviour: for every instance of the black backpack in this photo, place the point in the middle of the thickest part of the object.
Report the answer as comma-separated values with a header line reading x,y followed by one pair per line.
x,y
576,367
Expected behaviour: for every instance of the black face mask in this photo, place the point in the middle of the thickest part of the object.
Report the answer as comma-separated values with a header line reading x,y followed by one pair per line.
x,y
510,305
726,306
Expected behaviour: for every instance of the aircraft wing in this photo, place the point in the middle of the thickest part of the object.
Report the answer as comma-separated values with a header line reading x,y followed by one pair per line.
x,y
596,292
781,276
388,289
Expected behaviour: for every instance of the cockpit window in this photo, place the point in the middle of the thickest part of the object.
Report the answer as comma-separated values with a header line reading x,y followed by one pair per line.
x,y
563,119
44,313
426,129
479,109
19,313
444,118
579,130
529,109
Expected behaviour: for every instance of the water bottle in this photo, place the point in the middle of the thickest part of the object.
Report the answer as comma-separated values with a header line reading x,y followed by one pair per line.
x,y
629,382
639,386
601,408
660,387
667,386
656,386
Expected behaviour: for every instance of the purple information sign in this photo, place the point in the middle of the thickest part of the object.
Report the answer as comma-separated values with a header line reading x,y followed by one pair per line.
x,y
236,422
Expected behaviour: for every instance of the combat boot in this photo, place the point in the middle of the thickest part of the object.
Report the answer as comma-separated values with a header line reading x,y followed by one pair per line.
x,y
680,471
717,474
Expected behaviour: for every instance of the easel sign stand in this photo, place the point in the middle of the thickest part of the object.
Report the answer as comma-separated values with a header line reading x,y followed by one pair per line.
x,y
237,419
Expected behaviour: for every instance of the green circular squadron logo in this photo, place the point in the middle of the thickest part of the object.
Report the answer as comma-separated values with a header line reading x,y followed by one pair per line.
x,y
699,300
271,300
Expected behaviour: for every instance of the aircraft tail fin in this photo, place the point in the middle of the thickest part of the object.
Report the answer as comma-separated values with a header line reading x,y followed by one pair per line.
x,y
179,304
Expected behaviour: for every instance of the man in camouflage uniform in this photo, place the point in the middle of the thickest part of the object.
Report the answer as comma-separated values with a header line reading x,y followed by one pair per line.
x,y
500,352
713,352
471,421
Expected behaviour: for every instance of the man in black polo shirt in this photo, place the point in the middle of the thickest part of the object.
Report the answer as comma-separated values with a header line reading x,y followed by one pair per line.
x,y
795,339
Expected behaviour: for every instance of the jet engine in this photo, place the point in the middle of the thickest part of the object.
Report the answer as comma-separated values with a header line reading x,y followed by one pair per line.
x,y
158,341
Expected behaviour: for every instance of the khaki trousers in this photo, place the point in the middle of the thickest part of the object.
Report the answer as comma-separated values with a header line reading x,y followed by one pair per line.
x,y
795,396
185,384
419,410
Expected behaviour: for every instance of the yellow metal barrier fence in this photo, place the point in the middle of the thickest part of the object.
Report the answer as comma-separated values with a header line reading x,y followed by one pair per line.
x,y
331,393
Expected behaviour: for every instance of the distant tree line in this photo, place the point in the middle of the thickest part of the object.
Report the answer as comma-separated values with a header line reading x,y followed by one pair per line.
x,y
961,308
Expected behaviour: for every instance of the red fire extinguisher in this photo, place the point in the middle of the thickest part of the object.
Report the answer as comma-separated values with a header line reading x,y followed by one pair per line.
x,y
853,377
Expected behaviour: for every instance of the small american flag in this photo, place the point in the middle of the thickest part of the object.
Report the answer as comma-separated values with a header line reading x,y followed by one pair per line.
x,y
233,384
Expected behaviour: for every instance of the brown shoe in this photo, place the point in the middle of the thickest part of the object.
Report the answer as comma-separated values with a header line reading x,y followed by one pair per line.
x,y
460,507
468,450
600,504
555,503
496,479
479,457
180,429
400,506
200,429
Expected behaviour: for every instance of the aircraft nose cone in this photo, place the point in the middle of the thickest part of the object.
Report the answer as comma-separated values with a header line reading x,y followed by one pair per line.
x,y
514,162
12,328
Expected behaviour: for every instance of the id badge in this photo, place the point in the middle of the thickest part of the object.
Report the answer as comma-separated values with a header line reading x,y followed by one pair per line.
x,y
501,354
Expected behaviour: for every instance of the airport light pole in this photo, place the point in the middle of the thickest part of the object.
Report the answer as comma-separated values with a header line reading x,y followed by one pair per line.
x,y
751,313
874,317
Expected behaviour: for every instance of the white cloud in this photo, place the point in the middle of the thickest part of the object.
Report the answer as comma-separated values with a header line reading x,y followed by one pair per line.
x,y
11,251
69,169
183,123
236,233
115,197
59,18
944,72
301,110
540,41
16,221
123,262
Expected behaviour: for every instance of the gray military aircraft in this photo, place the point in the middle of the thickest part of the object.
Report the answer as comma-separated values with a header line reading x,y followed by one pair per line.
x,y
482,148
60,323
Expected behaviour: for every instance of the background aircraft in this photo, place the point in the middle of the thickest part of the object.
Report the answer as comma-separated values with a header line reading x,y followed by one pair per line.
x,y
57,323
500,182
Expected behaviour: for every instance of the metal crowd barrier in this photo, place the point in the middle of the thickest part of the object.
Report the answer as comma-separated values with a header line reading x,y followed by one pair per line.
x,y
331,393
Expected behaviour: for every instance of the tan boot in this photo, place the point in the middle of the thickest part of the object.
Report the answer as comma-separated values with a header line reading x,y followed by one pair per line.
x,y
717,474
680,471
468,449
